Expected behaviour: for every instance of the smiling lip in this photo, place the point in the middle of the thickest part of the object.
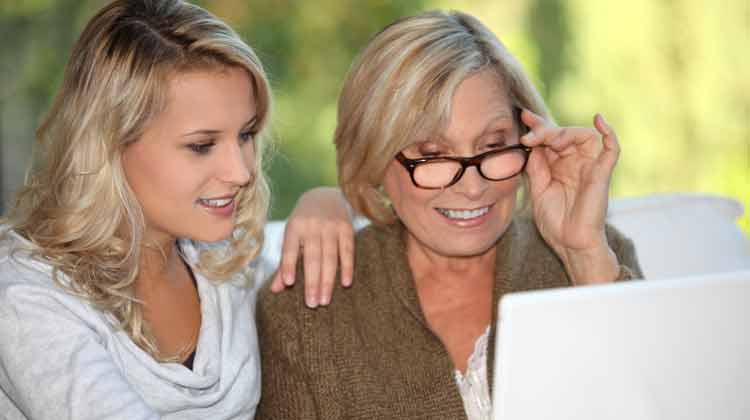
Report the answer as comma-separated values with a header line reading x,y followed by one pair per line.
x,y
219,206
465,217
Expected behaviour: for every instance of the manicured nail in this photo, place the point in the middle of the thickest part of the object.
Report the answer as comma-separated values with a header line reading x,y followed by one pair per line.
x,y
346,282
324,301
311,302
604,123
288,279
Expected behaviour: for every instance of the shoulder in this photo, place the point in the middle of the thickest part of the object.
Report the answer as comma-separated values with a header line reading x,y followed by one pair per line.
x,y
617,240
19,266
373,243
624,249
526,240
531,249
250,277
526,235
378,244
32,293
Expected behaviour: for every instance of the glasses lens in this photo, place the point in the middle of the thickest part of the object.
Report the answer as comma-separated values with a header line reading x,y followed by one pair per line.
x,y
436,173
503,165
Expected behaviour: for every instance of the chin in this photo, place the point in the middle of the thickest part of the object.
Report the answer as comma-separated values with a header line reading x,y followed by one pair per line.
x,y
470,251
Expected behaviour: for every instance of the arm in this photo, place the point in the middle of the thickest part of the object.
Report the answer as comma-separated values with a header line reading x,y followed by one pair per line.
x,y
286,392
53,366
321,224
569,175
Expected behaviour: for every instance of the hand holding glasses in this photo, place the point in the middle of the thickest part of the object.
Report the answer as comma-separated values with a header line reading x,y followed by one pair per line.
x,y
569,171
569,182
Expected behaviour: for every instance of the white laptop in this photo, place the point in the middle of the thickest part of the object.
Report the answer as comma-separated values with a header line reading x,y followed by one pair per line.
x,y
668,349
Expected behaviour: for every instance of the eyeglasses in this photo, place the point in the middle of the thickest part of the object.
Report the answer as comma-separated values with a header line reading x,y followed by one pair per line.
x,y
438,172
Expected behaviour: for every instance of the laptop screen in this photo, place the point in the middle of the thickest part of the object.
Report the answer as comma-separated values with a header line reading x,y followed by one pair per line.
x,y
668,349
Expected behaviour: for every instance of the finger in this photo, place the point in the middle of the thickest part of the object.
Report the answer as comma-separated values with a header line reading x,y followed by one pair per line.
x,y
289,255
562,139
312,258
328,267
533,120
346,254
538,172
550,154
538,128
277,285
611,153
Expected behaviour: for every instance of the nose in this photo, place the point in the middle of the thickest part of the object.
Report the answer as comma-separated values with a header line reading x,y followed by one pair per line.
x,y
471,185
237,164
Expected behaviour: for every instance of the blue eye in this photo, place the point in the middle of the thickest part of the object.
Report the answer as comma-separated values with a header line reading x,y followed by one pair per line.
x,y
201,148
246,136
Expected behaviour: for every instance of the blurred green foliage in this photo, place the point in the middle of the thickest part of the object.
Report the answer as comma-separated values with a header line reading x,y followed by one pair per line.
x,y
670,75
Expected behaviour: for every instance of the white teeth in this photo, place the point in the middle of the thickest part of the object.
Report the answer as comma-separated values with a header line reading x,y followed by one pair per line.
x,y
221,202
463,214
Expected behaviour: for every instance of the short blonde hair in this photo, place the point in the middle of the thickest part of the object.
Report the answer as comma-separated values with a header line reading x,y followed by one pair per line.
x,y
400,88
76,207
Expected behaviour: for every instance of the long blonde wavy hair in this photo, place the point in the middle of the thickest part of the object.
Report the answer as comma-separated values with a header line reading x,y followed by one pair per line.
x,y
76,208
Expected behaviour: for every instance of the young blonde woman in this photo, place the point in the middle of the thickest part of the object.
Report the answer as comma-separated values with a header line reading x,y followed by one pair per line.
x,y
130,261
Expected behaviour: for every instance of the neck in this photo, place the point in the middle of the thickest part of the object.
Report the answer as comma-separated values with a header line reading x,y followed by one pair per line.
x,y
159,263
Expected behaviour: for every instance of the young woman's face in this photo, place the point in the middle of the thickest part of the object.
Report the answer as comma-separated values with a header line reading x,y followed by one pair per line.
x,y
468,217
193,159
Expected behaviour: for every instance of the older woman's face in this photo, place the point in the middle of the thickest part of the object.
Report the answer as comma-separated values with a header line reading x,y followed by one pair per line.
x,y
467,218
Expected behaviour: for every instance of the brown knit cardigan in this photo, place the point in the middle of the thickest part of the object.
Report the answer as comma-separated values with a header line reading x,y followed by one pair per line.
x,y
370,354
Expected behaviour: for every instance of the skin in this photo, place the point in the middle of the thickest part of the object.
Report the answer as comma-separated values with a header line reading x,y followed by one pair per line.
x,y
452,261
569,186
199,148
321,216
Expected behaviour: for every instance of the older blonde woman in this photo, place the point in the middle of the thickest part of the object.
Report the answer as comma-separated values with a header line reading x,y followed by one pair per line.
x,y
438,129
130,262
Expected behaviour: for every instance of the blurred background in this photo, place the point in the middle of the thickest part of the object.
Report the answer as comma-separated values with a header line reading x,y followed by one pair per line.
x,y
672,76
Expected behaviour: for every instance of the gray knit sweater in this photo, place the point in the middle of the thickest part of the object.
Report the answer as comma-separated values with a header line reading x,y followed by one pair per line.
x,y
370,354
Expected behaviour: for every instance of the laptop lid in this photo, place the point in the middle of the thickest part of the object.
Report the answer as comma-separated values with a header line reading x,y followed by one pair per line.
x,y
669,349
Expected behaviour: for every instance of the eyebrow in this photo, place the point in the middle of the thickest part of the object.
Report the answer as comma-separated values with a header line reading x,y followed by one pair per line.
x,y
251,122
492,123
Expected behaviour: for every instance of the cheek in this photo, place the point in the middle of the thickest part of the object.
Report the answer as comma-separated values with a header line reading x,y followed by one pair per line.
x,y
507,188
136,169
393,190
156,177
406,198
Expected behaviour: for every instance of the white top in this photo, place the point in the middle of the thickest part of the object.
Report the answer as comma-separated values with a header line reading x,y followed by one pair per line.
x,y
473,385
62,359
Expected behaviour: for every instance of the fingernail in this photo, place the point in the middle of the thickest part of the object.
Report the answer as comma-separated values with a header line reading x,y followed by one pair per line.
x,y
346,282
311,303
324,301
606,125
603,119
288,279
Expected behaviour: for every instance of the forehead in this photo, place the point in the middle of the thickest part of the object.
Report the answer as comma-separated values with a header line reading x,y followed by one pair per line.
x,y
211,83
478,103
210,95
